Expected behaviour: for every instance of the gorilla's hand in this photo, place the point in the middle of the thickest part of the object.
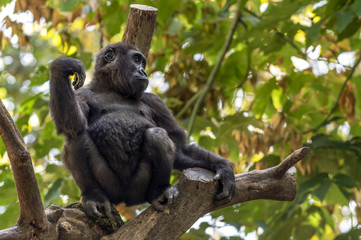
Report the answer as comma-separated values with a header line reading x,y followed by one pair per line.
x,y
69,67
96,204
227,185
166,198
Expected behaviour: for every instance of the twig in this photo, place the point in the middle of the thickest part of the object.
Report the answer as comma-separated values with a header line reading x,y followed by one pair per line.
x,y
289,41
215,70
291,160
249,56
188,104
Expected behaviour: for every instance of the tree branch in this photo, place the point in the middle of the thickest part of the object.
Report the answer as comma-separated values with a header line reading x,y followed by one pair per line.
x,y
188,104
140,27
197,189
31,207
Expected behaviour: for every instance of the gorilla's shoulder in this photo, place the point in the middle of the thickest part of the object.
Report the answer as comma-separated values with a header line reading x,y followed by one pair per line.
x,y
150,98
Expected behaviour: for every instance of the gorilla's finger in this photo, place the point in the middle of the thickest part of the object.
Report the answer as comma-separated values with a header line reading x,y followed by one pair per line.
x,y
222,195
224,200
91,210
217,176
108,212
158,205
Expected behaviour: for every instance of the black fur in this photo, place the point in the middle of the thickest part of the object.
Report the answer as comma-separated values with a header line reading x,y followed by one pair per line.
x,y
121,143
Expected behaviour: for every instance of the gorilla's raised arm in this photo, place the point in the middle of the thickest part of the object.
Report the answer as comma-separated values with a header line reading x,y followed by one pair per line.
x,y
80,155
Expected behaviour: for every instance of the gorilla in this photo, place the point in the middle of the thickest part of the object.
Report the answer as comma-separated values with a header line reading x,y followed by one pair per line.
x,y
122,143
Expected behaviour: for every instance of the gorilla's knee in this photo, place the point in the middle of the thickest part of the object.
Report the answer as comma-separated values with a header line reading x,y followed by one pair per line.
x,y
158,141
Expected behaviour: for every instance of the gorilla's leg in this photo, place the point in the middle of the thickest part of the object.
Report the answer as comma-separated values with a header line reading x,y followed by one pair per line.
x,y
159,150
98,183
139,183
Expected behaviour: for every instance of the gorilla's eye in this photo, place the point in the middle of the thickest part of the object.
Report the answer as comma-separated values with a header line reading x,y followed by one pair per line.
x,y
109,55
137,58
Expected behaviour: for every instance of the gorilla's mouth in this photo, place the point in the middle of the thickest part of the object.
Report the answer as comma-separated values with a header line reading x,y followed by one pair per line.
x,y
141,79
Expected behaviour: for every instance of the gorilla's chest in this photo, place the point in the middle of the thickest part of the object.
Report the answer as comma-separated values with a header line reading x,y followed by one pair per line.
x,y
117,128
121,118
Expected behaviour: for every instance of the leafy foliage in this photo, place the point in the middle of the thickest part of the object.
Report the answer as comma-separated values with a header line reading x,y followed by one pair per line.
x,y
290,78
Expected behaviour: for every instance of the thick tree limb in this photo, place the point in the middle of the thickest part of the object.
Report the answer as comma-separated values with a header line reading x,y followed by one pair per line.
x,y
31,207
140,27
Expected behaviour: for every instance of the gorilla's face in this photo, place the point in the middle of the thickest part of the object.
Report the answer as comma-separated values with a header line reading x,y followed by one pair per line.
x,y
121,66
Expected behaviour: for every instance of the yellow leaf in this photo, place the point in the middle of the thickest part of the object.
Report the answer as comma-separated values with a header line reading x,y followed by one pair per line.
x,y
314,237
309,11
77,25
3,93
56,41
257,157
316,19
72,50
300,37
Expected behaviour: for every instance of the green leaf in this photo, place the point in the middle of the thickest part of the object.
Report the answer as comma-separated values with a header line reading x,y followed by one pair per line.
x,y
86,58
356,7
53,192
40,77
175,27
9,217
2,148
277,98
353,234
69,5
189,10
271,160
304,232
263,96
344,18
314,31
322,189
344,181
336,196
114,16
4,3
7,192
313,182
350,30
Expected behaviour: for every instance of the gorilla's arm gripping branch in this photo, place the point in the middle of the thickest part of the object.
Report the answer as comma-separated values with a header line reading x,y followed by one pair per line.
x,y
197,188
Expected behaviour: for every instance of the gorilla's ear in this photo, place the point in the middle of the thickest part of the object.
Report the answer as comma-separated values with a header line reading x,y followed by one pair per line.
x,y
109,55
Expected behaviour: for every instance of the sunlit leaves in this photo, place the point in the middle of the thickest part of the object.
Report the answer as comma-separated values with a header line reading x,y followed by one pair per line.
x,y
4,3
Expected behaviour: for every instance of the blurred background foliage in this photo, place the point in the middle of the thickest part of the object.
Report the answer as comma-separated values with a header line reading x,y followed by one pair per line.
x,y
289,78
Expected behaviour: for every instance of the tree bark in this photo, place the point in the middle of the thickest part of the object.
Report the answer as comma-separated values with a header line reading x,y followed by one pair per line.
x,y
140,27
31,207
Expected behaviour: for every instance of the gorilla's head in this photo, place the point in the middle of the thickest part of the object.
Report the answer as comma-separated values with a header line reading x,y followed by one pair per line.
x,y
120,66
